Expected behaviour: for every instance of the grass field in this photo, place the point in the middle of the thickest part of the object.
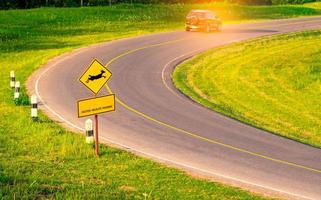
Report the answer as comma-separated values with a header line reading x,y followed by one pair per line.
x,y
42,160
272,83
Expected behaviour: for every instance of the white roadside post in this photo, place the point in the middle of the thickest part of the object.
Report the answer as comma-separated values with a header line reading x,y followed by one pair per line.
x,y
12,79
16,91
89,131
34,107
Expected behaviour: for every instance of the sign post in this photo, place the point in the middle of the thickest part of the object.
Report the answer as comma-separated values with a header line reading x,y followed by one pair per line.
x,y
96,136
94,78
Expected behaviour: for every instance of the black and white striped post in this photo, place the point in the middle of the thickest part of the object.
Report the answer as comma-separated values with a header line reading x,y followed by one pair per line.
x,y
34,107
12,79
89,131
16,91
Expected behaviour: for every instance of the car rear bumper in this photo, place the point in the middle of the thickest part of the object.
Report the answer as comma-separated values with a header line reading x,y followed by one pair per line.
x,y
196,27
201,26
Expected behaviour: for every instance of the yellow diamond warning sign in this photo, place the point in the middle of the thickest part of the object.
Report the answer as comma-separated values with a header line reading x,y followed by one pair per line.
x,y
95,77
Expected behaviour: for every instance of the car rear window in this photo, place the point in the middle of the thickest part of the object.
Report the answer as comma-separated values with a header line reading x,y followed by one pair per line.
x,y
210,15
201,14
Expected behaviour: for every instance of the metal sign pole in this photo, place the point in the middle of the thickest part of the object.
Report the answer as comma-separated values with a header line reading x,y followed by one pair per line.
x,y
96,136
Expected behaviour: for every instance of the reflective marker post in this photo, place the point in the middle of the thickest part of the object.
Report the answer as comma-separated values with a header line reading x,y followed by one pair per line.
x,y
34,107
89,131
17,91
12,79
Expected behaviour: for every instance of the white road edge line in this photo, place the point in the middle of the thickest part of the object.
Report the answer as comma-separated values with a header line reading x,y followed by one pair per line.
x,y
170,62
148,154
46,106
191,53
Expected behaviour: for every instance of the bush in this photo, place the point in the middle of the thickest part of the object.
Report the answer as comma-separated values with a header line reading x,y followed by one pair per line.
x,y
5,4
254,2
281,2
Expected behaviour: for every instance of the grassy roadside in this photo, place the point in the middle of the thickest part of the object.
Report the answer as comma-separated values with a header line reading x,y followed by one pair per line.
x,y
53,163
42,160
271,83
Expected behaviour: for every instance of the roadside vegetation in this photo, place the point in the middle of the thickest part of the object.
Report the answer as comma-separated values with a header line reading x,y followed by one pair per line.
x,y
25,4
272,83
41,159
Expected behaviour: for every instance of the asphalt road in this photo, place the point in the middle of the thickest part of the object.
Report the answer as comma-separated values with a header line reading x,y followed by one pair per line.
x,y
155,119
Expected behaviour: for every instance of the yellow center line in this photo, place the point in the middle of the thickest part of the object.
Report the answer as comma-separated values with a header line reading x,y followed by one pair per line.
x,y
142,48
190,133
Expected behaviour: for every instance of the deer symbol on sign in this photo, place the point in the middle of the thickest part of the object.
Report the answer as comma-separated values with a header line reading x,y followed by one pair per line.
x,y
96,77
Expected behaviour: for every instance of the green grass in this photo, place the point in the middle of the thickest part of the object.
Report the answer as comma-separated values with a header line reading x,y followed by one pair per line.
x,y
42,160
53,163
272,83
315,5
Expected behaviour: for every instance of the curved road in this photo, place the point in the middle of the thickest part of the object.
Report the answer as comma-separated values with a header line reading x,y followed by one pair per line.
x,y
156,120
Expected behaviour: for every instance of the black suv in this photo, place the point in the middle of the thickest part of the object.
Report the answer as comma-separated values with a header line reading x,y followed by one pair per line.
x,y
202,20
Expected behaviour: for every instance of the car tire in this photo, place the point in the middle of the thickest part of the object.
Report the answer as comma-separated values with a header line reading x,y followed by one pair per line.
x,y
208,28
187,29
219,28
